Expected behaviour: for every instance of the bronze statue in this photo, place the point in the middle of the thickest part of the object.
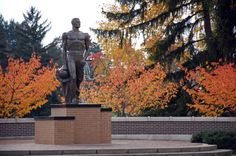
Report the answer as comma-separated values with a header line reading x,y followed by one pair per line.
x,y
75,46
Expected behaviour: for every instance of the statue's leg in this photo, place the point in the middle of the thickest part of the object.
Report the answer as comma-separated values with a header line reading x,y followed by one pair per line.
x,y
67,94
80,74
72,84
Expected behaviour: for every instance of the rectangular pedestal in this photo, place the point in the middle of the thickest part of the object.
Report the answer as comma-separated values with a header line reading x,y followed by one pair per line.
x,y
92,123
54,130
87,125
105,135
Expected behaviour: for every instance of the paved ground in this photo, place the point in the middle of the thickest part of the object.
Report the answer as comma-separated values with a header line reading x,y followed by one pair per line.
x,y
120,147
116,144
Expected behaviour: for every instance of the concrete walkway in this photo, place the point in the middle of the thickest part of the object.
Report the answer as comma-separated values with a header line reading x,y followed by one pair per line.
x,y
116,144
123,147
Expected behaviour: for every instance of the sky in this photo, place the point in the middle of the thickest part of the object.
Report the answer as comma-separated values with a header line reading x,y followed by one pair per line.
x,y
58,12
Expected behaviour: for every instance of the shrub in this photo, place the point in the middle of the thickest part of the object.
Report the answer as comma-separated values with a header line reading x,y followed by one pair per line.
x,y
226,140
197,138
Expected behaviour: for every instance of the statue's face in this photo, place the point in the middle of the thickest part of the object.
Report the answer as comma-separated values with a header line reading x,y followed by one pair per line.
x,y
76,23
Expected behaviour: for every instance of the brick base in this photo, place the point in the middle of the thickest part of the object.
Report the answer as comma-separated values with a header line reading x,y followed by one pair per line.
x,y
54,130
91,125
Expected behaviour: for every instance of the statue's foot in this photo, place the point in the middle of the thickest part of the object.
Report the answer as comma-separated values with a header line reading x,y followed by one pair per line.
x,y
81,101
74,100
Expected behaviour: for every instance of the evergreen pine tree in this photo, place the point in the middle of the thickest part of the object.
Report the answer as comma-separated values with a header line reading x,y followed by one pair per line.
x,y
30,33
204,30
181,21
3,43
7,40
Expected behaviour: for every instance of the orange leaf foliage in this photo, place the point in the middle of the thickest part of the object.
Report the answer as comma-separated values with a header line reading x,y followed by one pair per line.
x,y
214,92
130,89
150,90
24,86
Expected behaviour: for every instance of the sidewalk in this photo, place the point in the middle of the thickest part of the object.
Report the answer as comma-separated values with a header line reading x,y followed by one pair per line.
x,y
116,144
117,147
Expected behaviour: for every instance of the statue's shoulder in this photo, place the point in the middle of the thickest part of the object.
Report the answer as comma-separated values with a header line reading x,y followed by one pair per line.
x,y
86,35
64,35
69,33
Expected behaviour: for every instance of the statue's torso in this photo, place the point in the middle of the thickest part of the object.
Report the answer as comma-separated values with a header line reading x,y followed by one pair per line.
x,y
76,41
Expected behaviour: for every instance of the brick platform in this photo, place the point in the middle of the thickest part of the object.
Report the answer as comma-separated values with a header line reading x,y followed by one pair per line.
x,y
106,129
91,125
54,130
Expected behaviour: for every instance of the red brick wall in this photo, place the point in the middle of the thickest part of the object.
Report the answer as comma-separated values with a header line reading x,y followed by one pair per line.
x,y
11,128
169,127
158,125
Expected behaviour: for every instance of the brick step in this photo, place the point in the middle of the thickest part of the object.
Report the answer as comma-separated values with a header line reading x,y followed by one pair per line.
x,y
204,150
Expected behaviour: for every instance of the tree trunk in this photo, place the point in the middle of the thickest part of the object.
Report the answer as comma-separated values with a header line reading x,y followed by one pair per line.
x,y
211,47
224,26
123,109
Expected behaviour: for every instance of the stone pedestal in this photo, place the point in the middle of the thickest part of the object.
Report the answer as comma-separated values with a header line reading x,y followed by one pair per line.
x,y
91,124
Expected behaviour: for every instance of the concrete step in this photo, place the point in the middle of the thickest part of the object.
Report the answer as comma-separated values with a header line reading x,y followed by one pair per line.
x,y
203,150
218,152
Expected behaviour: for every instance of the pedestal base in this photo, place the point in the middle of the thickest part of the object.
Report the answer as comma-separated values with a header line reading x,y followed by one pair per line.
x,y
54,130
91,125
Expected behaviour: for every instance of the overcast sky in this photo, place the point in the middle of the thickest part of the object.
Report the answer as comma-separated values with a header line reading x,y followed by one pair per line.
x,y
58,12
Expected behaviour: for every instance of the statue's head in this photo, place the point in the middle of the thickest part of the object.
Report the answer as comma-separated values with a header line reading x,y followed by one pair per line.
x,y
75,22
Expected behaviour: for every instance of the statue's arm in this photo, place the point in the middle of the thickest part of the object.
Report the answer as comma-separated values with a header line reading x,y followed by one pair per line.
x,y
87,41
64,47
87,44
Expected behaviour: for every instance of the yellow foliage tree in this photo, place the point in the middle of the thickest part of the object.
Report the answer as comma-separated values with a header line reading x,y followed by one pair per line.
x,y
25,86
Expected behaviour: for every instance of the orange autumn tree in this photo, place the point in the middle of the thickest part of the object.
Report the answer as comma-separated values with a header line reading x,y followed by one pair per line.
x,y
118,66
111,90
25,86
151,90
213,89
130,89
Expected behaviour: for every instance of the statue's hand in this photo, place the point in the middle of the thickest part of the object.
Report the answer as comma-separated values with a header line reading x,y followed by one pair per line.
x,y
84,61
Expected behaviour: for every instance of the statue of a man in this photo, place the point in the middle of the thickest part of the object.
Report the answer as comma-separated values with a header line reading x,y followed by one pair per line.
x,y
75,50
